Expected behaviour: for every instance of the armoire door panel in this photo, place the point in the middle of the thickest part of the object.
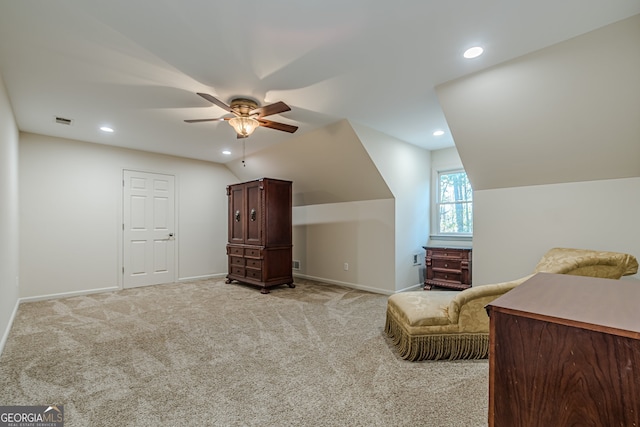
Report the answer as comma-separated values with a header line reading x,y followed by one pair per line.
x,y
253,214
236,211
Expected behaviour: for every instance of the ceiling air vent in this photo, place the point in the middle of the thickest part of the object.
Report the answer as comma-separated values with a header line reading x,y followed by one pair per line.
x,y
63,121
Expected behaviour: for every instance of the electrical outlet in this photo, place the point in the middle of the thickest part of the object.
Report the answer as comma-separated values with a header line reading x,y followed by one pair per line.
x,y
346,266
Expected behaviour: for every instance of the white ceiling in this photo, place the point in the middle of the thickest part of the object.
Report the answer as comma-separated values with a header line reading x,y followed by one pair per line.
x,y
137,65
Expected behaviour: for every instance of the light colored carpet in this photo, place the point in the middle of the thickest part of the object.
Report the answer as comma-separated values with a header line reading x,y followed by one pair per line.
x,y
210,353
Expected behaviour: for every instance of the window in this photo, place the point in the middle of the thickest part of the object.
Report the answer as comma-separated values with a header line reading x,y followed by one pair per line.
x,y
454,204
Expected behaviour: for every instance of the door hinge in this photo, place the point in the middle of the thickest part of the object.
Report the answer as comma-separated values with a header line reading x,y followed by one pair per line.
x,y
122,270
122,227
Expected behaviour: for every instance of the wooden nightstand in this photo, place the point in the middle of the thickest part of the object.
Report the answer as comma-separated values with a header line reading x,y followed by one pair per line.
x,y
447,268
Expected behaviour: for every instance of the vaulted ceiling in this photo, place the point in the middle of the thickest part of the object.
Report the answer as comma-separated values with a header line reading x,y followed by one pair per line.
x,y
137,65
566,113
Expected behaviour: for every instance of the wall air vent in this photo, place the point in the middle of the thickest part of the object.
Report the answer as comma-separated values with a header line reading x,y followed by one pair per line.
x,y
63,121
295,264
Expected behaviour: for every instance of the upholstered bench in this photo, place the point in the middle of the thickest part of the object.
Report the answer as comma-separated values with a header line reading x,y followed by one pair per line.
x,y
432,325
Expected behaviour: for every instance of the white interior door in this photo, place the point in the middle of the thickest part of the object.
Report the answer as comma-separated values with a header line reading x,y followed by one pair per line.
x,y
149,231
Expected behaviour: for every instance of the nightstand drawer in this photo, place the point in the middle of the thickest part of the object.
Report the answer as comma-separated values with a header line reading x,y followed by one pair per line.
x,y
447,276
448,254
451,264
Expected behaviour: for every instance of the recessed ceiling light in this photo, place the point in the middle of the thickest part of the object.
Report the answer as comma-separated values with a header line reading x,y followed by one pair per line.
x,y
106,129
226,152
473,52
438,133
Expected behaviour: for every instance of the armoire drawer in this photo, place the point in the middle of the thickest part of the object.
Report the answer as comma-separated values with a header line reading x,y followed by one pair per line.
x,y
253,263
237,271
236,261
234,250
251,252
253,274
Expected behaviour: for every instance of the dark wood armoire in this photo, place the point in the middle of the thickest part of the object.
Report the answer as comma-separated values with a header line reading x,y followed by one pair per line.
x,y
259,249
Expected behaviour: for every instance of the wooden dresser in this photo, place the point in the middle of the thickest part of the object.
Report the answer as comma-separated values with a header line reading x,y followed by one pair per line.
x,y
447,267
565,351
259,248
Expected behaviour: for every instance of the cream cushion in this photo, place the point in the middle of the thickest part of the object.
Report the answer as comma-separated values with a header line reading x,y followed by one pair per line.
x,y
585,262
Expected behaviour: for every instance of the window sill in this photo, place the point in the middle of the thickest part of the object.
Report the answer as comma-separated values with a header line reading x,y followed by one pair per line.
x,y
452,237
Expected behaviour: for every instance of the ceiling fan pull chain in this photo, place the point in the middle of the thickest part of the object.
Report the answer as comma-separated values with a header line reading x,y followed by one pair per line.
x,y
243,147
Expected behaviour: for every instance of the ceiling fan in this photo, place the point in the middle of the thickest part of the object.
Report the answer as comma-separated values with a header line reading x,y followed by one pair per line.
x,y
248,115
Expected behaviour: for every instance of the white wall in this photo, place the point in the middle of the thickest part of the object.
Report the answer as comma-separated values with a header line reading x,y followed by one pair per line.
x,y
361,234
406,170
343,210
73,248
71,213
514,227
9,220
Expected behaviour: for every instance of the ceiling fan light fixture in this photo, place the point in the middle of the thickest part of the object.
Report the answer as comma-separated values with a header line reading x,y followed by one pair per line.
x,y
244,125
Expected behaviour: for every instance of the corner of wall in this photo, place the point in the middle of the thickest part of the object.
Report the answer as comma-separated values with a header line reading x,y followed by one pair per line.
x,y
9,214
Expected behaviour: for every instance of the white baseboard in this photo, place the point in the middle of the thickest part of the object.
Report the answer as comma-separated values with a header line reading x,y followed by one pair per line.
x,y
206,276
110,289
346,284
417,287
5,335
68,294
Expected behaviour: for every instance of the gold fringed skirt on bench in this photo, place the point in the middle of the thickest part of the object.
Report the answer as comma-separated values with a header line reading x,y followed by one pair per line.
x,y
442,324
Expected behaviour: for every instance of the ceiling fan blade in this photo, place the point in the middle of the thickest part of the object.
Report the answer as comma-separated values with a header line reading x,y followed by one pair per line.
x,y
267,110
203,120
216,101
278,126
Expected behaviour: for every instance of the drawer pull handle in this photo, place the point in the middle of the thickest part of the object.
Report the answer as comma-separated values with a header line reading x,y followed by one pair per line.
x,y
253,215
446,265
237,216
